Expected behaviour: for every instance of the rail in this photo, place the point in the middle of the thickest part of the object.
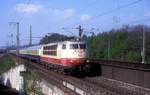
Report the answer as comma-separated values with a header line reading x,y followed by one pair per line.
x,y
122,64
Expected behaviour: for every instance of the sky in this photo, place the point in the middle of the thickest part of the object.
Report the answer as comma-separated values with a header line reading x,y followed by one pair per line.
x,y
63,16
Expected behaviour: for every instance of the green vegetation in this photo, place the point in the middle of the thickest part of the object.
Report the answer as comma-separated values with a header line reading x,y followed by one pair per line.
x,y
125,43
6,63
53,38
31,85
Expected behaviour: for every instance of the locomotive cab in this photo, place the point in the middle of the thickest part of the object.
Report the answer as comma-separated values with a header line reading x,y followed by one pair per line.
x,y
74,53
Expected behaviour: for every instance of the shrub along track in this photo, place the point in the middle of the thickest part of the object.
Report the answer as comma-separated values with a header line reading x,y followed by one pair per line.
x,y
6,63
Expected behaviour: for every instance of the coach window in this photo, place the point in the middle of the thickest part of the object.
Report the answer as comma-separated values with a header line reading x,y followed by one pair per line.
x,y
73,46
63,46
82,46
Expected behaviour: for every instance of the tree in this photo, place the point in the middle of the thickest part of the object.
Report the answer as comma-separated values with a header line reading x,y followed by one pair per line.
x,y
54,37
125,43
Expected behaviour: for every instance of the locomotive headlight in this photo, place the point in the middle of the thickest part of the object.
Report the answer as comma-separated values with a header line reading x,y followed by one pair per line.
x,y
79,54
71,61
87,61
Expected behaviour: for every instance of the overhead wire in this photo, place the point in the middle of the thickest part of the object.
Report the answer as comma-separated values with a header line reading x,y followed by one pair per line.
x,y
13,19
80,10
15,14
110,11
116,9
134,21
138,20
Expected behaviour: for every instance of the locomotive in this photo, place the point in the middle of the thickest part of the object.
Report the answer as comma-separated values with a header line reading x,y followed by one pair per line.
x,y
68,56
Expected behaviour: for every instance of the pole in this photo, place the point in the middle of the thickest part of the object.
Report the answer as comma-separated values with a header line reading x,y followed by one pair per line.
x,y
143,50
30,42
12,40
80,30
17,38
108,55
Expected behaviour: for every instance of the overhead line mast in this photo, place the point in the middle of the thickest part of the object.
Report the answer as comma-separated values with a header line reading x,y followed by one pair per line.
x,y
143,49
80,29
30,42
17,36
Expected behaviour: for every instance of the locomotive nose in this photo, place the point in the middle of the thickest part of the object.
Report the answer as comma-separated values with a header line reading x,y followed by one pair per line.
x,y
79,53
87,61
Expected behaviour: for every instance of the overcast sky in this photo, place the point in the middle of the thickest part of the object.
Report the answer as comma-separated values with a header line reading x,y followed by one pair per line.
x,y
60,16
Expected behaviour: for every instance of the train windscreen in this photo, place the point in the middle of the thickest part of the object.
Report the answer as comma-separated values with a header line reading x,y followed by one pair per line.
x,y
82,46
73,46
77,46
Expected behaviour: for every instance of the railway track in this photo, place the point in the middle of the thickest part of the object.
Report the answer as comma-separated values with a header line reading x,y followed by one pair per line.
x,y
122,64
84,86
95,86
117,86
128,72
79,86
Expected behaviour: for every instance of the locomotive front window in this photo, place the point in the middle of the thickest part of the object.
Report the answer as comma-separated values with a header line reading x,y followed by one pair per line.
x,y
64,46
73,46
82,46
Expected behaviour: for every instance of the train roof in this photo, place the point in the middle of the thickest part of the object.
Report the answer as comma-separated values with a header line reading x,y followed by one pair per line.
x,y
64,42
33,47
40,46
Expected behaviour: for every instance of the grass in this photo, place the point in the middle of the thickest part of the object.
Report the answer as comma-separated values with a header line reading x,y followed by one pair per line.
x,y
30,84
6,63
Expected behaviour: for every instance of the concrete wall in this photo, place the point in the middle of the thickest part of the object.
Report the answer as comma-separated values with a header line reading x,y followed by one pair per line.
x,y
49,89
129,75
13,79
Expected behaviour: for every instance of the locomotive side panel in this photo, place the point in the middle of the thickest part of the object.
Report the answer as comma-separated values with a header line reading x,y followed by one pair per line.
x,y
50,54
